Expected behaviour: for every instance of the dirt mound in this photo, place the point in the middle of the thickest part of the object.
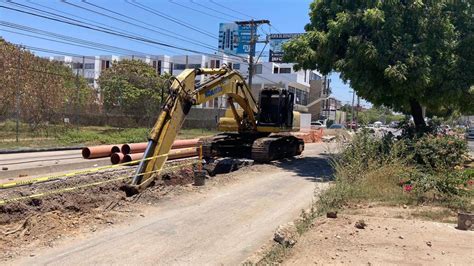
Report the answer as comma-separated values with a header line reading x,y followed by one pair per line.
x,y
27,224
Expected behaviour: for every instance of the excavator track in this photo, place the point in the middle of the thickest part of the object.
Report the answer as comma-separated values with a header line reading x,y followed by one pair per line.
x,y
276,147
260,149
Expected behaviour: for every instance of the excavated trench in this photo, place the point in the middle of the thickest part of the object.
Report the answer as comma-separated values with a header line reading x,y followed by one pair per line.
x,y
42,221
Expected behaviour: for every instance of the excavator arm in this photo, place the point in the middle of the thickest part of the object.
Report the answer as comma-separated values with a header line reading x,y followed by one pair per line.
x,y
183,94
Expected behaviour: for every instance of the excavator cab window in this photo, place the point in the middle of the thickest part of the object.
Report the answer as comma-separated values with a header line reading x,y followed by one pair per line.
x,y
276,108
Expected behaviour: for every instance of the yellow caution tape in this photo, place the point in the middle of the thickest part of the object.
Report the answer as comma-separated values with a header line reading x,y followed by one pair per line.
x,y
69,189
60,176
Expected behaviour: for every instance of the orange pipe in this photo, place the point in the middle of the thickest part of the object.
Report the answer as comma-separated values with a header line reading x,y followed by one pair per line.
x,y
99,151
116,157
140,147
174,154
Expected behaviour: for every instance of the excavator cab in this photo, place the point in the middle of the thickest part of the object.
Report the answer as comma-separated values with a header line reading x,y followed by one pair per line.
x,y
276,108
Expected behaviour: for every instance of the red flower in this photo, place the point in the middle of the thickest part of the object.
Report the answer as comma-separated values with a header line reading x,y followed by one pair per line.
x,y
470,182
407,188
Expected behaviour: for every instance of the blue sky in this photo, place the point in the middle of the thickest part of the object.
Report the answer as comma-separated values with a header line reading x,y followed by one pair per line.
x,y
286,16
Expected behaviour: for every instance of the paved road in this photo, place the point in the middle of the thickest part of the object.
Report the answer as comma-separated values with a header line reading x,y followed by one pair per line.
x,y
39,163
220,226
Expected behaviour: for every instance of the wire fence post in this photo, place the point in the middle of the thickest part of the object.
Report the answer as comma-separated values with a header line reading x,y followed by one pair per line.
x,y
17,96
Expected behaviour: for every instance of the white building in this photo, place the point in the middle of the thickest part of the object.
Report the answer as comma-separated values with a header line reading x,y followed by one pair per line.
x,y
266,74
282,75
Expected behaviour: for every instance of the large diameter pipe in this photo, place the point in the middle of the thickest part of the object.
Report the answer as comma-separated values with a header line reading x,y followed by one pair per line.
x,y
140,147
174,154
116,157
99,151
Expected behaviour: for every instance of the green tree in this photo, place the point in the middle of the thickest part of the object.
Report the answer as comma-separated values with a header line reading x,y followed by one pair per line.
x,y
401,54
132,87
44,89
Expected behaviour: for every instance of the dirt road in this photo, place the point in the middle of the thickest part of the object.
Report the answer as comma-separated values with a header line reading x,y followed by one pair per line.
x,y
221,225
40,163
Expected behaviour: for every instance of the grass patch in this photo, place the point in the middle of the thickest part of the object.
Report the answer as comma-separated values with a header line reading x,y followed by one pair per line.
x,y
400,172
60,136
442,215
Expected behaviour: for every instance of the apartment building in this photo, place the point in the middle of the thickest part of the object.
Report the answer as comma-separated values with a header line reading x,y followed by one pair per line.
x,y
305,84
282,75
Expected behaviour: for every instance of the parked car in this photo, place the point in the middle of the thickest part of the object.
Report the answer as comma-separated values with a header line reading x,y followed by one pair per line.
x,y
337,126
394,124
317,125
470,133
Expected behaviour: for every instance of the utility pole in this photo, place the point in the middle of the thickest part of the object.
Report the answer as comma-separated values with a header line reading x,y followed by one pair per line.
x,y
357,111
352,110
253,41
17,95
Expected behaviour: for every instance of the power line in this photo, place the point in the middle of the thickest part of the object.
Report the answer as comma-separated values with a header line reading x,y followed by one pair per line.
x,y
70,40
121,32
199,11
228,8
98,23
165,16
74,20
111,32
159,31
215,10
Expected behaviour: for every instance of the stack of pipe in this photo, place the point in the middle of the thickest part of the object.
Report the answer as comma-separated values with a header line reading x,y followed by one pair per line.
x,y
131,152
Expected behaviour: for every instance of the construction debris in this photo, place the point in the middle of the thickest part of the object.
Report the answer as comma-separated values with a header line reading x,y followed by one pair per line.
x,y
286,234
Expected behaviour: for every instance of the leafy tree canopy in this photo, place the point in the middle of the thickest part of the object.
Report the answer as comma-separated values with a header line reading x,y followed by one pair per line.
x,y
132,87
44,89
400,54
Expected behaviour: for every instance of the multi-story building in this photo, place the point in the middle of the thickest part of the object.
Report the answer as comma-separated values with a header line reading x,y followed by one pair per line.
x,y
305,84
282,75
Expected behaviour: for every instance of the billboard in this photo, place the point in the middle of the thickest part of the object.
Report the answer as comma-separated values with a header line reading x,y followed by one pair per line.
x,y
234,39
276,41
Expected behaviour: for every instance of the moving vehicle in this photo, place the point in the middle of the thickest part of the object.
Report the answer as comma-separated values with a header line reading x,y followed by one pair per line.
x,y
254,130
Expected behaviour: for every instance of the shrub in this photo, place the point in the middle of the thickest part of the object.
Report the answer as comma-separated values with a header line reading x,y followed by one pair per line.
x,y
407,170
438,152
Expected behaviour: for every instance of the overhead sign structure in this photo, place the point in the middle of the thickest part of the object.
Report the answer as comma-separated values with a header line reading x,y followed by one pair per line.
x,y
234,39
276,41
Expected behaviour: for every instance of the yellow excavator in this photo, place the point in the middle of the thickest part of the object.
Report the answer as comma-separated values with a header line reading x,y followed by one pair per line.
x,y
259,131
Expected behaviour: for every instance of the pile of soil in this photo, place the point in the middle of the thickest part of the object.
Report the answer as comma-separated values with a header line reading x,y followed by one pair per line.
x,y
28,224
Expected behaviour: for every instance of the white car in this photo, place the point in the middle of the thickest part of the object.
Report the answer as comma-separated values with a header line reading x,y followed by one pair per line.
x,y
317,125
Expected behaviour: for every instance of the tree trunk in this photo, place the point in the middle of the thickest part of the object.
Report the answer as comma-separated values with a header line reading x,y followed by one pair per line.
x,y
417,113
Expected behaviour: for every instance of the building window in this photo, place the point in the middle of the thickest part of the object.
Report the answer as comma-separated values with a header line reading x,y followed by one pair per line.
x,y
171,68
179,66
285,70
89,66
236,66
215,63
258,69
157,66
275,70
194,65
76,65
105,64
